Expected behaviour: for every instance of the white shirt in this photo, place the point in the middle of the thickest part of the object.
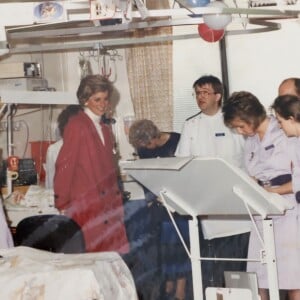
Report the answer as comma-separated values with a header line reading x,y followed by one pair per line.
x,y
207,136
51,156
96,120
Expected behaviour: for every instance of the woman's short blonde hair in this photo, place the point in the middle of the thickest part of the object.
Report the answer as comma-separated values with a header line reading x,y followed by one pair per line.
x,y
92,84
141,132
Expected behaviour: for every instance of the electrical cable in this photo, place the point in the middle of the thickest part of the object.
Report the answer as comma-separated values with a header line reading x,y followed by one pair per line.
x,y
27,137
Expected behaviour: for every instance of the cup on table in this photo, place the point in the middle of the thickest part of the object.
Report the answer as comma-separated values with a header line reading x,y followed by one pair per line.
x,y
12,175
128,121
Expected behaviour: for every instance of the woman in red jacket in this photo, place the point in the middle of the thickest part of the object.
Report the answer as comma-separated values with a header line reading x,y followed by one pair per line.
x,y
85,183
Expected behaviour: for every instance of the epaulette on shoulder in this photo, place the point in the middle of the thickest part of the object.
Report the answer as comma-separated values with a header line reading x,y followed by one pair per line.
x,y
193,116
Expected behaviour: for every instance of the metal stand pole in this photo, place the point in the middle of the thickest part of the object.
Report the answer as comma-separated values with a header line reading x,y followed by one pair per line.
x,y
10,147
195,259
270,258
224,66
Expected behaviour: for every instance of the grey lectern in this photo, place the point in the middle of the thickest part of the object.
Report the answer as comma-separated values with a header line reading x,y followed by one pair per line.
x,y
211,186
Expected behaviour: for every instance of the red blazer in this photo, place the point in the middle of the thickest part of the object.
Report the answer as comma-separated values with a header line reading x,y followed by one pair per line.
x,y
86,186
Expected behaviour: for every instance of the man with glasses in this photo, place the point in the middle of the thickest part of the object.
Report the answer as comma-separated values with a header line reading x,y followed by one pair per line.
x,y
205,135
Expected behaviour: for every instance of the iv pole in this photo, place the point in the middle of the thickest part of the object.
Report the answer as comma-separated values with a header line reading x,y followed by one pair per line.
x,y
10,146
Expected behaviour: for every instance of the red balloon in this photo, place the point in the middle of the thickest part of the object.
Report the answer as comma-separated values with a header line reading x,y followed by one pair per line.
x,y
210,35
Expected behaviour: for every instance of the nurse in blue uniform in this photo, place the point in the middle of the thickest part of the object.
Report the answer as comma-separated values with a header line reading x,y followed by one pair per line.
x,y
268,161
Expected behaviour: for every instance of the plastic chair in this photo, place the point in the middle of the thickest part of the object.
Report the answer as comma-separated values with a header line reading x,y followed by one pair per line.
x,y
55,233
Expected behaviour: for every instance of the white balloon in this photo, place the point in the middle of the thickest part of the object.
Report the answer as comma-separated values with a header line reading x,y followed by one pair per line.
x,y
217,21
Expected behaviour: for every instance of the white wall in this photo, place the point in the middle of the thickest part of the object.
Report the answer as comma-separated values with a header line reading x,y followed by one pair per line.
x,y
259,62
191,59
256,63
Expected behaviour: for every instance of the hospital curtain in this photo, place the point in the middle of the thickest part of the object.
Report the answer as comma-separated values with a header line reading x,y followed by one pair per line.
x,y
149,68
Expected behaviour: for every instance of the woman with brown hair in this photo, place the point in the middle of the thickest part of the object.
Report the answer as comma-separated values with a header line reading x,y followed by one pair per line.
x,y
267,160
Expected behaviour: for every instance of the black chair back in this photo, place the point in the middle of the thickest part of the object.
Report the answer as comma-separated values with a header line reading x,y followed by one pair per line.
x,y
55,233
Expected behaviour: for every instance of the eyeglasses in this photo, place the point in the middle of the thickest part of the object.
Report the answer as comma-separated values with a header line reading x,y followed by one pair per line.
x,y
203,93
